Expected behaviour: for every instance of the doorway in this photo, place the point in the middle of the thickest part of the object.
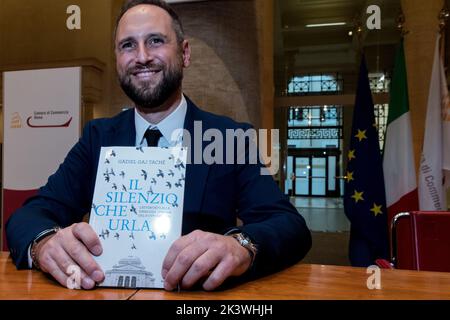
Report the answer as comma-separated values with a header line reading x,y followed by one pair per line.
x,y
314,172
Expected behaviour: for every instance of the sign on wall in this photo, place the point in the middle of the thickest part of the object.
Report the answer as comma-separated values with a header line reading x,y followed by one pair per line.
x,y
41,121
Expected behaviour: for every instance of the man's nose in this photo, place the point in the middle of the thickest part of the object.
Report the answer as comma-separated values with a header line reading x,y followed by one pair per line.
x,y
144,54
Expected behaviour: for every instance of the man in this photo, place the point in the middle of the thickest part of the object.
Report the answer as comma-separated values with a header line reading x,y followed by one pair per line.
x,y
151,53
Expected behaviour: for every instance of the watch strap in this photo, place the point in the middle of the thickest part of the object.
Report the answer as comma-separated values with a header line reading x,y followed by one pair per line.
x,y
40,236
245,241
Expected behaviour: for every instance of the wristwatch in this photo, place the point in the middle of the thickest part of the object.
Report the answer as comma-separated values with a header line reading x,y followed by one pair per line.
x,y
36,240
247,243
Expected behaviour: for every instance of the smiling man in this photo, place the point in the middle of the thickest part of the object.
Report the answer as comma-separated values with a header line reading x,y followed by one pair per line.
x,y
151,52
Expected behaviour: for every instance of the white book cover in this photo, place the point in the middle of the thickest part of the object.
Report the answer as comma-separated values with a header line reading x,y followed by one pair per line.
x,y
137,212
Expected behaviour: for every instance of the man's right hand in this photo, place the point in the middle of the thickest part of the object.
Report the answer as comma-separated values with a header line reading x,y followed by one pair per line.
x,y
72,246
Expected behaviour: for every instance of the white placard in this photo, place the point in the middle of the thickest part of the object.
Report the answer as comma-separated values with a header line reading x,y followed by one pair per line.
x,y
41,124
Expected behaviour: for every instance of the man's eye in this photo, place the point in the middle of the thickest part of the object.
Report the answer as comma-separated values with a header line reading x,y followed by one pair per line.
x,y
156,41
127,45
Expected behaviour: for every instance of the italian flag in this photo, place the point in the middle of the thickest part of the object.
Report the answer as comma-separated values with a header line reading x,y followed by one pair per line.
x,y
398,159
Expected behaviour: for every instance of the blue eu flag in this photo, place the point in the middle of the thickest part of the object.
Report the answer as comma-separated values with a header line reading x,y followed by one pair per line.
x,y
364,198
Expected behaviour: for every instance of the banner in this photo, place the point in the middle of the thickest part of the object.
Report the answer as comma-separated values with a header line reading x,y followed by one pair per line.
x,y
398,159
364,196
41,123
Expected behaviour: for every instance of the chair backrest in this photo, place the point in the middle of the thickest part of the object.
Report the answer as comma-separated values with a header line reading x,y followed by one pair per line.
x,y
429,240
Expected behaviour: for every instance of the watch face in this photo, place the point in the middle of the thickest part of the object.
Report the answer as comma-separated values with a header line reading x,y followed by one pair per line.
x,y
243,240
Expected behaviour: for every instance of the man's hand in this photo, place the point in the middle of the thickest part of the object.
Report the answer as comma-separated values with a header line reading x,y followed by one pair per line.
x,y
203,255
71,246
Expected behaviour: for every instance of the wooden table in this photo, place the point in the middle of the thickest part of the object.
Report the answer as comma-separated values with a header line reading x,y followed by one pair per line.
x,y
34,285
302,281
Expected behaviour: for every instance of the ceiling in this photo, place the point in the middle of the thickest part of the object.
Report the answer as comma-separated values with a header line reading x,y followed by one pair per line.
x,y
300,50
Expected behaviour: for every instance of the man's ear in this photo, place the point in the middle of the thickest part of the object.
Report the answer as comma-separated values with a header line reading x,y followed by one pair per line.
x,y
186,48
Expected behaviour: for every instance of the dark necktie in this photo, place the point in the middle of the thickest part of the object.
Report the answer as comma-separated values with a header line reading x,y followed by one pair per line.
x,y
152,137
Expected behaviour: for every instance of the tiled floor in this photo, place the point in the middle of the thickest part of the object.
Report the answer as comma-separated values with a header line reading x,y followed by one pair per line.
x,y
323,214
316,202
330,227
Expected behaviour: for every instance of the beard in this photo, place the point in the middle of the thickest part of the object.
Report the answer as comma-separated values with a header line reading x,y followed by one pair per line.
x,y
147,95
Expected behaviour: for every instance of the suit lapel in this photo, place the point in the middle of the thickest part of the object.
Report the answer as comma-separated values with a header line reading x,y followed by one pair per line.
x,y
196,174
124,131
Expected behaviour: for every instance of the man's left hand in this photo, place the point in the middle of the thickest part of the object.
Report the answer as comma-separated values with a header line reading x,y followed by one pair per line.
x,y
200,255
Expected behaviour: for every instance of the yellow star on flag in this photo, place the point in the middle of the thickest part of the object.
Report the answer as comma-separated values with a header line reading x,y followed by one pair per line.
x,y
349,176
376,209
358,196
361,135
351,155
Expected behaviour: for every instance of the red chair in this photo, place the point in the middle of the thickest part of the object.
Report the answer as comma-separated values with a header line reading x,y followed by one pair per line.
x,y
424,244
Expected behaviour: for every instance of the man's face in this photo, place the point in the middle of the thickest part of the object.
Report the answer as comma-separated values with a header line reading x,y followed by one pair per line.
x,y
149,59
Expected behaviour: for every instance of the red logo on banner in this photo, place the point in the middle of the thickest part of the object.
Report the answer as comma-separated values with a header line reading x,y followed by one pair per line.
x,y
48,125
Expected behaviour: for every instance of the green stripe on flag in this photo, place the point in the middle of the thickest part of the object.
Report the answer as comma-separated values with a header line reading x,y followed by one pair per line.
x,y
398,101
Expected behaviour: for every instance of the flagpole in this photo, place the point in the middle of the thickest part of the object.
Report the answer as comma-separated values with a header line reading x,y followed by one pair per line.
x,y
443,17
401,25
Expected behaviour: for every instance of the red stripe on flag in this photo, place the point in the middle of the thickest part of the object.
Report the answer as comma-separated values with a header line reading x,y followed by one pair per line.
x,y
405,255
12,200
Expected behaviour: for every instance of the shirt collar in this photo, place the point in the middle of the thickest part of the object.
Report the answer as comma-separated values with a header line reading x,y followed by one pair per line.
x,y
172,122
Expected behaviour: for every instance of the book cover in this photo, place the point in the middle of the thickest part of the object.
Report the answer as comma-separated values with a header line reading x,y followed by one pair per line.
x,y
137,212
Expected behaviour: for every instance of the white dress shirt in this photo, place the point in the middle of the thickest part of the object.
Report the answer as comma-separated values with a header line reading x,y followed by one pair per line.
x,y
167,126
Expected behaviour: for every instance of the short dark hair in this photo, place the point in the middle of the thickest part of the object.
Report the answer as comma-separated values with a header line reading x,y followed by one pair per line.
x,y
176,22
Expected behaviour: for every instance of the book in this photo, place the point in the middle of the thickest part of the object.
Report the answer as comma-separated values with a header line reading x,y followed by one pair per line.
x,y
137,212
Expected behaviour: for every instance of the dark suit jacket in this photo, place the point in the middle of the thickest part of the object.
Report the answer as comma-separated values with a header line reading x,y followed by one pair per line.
x,y
215,195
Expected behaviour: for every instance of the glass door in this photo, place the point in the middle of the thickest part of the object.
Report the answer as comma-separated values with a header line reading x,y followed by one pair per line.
x,y
302,176
318,176
313,175
333,179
